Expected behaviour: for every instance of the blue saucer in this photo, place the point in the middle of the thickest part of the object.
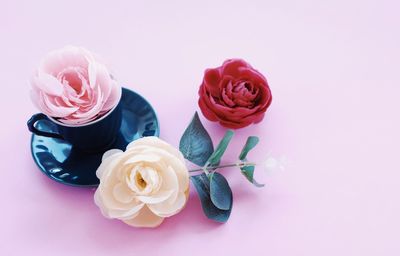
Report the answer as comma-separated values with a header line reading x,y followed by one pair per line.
x,y
58,160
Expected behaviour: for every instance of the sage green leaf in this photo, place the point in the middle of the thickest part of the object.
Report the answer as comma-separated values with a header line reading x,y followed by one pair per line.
x,y
196,144
220,149
202,184
248,172
220,191
251,142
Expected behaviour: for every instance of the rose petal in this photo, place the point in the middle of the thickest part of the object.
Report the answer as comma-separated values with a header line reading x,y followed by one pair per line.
x,y
226,99
126,214
145,218
211,81
176,166
233,125
148,174
75,56
122,193
110,153
113,97
231,67
50,108
102,80
111,208
48,84
59,59
108,164
226,113
143,158
169,207
92,72
207,112
155,199
155,142
95,109
170,181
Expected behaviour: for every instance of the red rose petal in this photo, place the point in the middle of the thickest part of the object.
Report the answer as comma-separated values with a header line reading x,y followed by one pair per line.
x,y
212,80
240,101
207,112
226,83
227,113
234,125
231,67
265,96
226,99
253,76
250,96
258,118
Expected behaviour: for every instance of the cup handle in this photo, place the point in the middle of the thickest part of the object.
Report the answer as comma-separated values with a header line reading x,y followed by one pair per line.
x,y
37,118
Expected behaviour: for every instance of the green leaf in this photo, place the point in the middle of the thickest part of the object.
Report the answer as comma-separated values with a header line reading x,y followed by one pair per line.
x,y
196,144
220,150
220,191
251,142
202,184
248,172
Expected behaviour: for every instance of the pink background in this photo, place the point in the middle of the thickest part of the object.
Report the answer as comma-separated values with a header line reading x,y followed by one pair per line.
x,y
333,67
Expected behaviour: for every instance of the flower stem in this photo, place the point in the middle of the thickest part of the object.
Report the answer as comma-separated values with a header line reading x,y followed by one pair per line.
x,y
205,169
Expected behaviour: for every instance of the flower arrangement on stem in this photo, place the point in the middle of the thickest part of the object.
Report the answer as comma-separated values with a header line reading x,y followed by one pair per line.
x,y
212,187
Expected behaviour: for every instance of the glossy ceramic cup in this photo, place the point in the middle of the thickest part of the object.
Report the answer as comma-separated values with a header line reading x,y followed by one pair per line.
x,y
94,136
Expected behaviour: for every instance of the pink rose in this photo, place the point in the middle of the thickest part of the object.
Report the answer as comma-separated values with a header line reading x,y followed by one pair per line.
x,y
235,94
72,86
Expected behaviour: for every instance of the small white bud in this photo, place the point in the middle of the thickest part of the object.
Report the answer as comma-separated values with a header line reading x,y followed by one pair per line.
x,y
274,164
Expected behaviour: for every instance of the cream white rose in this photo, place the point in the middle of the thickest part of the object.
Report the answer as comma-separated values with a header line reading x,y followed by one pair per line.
x,y
144,184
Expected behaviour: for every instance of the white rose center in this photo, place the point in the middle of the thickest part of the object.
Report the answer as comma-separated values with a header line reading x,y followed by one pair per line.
x,y
143,180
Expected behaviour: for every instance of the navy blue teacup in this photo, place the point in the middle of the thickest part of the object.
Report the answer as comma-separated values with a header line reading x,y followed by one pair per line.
x,y
95,136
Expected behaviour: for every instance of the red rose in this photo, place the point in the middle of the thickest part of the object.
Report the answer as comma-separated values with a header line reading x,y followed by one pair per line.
x,y
235,94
